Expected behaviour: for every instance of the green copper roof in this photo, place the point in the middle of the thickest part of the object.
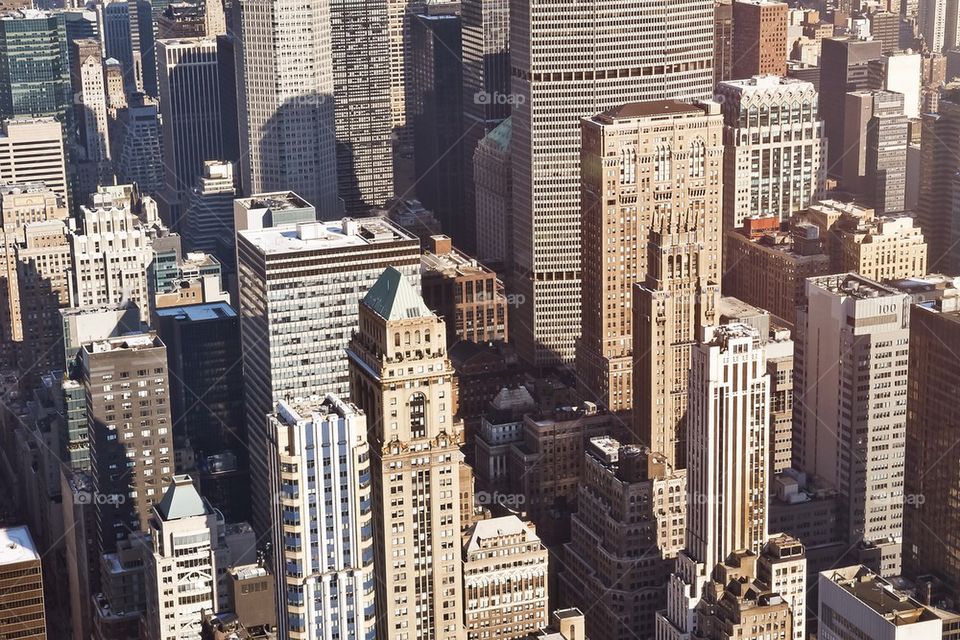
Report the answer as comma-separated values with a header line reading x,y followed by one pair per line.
x,y
393,298
501,134
181,500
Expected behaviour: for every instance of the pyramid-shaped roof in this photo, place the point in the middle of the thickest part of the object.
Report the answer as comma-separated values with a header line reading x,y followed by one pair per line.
x,y
392,297
181,500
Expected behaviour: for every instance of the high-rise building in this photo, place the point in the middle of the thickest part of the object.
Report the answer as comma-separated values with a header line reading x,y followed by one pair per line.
x,y
774,162
727,482
118,28
35,81
782,568
939,204
125,382
21,574
759,38
400,15
464,292
206,399
929,521
189,81
208,215
493,195
876,132
899,72
666,52
434,111
31,150
485,46
110,252
304,282
286,90
401,377
722,42
850,377
504,580
939,24
631,504
325,531
182,565
137,144
360,41
848,70
649,170
90,103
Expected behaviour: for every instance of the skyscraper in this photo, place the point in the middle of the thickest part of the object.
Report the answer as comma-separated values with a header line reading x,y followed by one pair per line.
x,y
325,532
569,62
485,46
930,521
21,604
208,224
727,482
31,150
90,102
286,106
875,161
401,377
759,38
360,41
939,206
850,402
136,139
304,282
774,162
189,82
35,76
656,161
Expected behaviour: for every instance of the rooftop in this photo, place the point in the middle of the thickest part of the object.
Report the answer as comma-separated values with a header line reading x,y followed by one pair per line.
x,y
896,606
853,285
199,312
451,264
134,342
499,527
17,546
651,108
325,236
298,409
392,297
279,200
181,500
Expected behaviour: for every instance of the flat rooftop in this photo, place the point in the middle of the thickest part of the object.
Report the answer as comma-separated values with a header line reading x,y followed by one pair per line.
x,y
17,546
854,285
326,236
451,264
134,342
652,108
895,606
278,201
199,312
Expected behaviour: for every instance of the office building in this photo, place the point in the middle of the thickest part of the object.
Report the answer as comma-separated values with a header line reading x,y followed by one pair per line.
x,y
21,577
939,24
722,42
886,248
855,602
111,252
874,164
769,168
493,195
485,47
304,435
118,28
401,378
900,72
400,16
782,568
852,336
768,268
316,274
208,214
206,399
939,204
848,70
189,82
117,375
31,150
468,295
137,145
729,399
668,157
504,580
285,104
182,565
35,82
361,93
631,504
929,522
434,112
669,52
90,104
759,38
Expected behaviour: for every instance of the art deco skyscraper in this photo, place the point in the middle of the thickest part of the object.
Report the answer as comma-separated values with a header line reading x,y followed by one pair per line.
x,y
325,531
650,170
402,378
727,483
286,107
571,61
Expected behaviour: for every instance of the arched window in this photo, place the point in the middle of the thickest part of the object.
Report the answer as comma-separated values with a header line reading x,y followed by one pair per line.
x,y
662,161
698,160
418,415
406,338
396,339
